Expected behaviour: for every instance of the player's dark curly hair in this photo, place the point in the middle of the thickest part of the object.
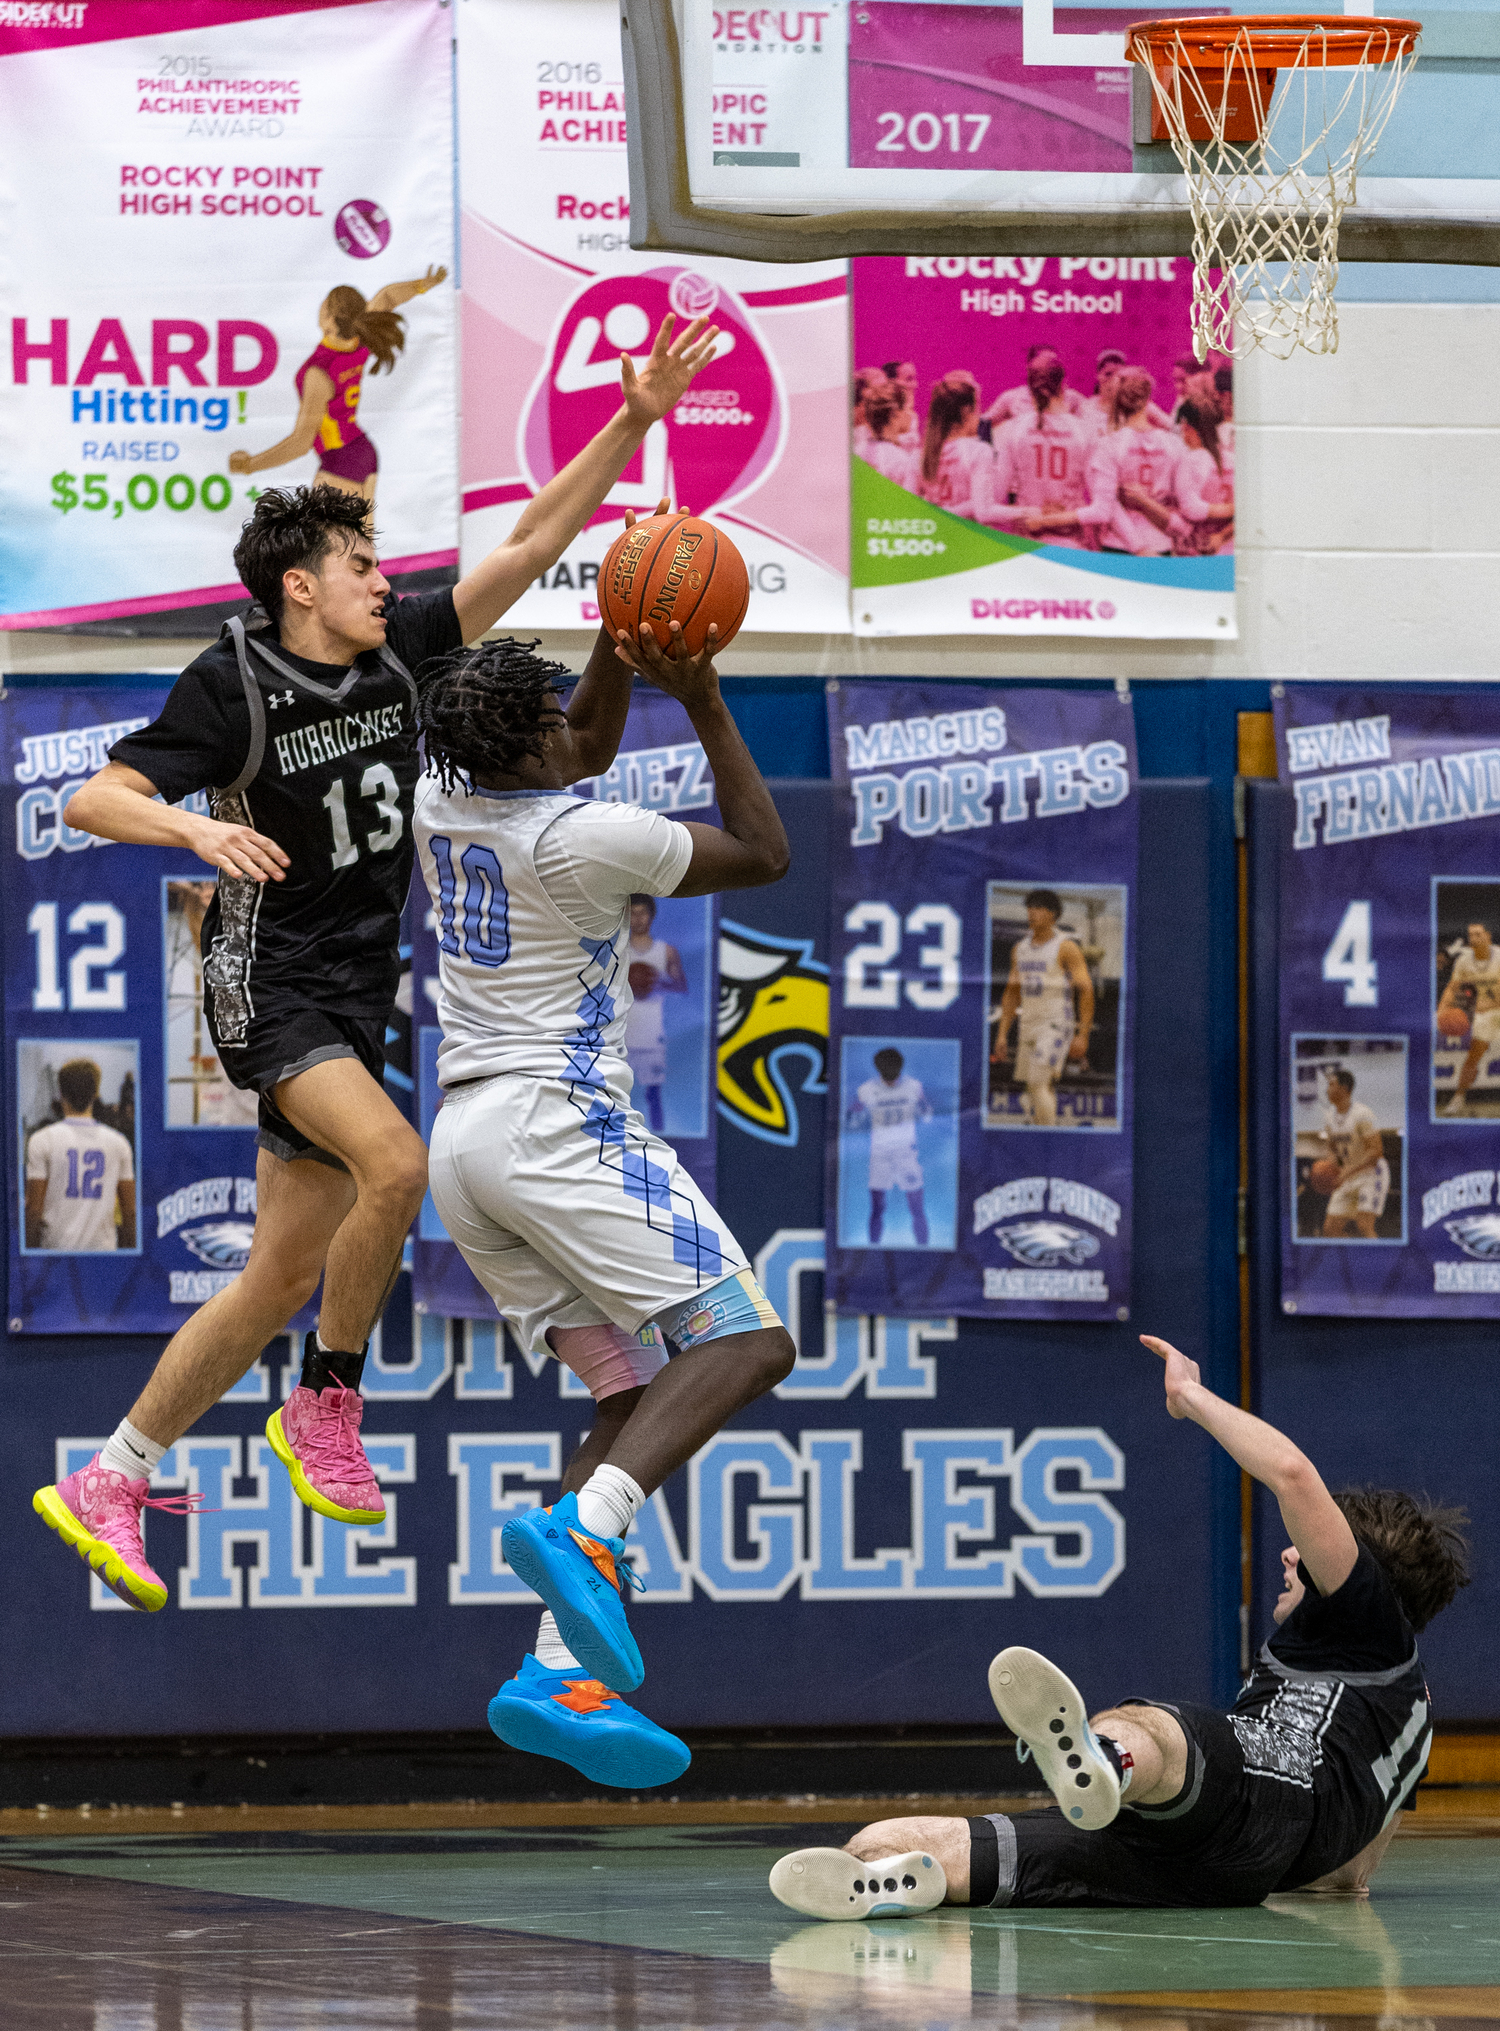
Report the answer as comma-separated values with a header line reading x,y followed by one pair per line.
x,y
488,708
1421,1546
294,528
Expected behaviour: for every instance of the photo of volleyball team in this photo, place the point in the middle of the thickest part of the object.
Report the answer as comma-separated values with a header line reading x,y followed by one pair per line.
x,y
1129,466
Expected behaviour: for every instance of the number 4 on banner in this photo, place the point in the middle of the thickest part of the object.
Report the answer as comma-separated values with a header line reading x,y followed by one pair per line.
x,y
1348,959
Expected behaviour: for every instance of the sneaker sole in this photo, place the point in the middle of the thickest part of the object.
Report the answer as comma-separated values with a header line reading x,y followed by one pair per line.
x,y
282,1448
624,1764
1045,1710
828,1883
590,1644
104,1559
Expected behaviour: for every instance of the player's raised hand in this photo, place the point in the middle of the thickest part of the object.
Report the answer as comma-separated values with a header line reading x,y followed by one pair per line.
x,y
237,850
668,373
1181,1376
691,680
663,507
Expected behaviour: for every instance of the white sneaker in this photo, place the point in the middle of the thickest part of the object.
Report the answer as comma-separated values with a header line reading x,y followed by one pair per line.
x,y
1046,1711
830,1883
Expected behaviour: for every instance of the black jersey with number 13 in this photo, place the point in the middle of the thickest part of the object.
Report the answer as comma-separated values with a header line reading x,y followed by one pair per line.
x,y
324,761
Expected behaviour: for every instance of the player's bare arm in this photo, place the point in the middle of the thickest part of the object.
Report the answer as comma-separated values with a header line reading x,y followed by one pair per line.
x,y
36,1200
317,393
564,506
599,702
395,294
125,1199
1071,961
1314,1521
752,848
1365,1151
1010,1001
1353,1879
120,803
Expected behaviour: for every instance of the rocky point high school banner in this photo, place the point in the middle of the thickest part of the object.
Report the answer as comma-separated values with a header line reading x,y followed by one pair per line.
x,y
979,1142
1390,1002
553,295
182,188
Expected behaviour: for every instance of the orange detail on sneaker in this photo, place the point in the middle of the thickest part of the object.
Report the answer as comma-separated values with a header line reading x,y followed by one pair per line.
x,y
585,1696
597,1554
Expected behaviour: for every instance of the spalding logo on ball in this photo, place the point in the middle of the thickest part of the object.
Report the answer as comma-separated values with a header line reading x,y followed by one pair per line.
x,y
674,568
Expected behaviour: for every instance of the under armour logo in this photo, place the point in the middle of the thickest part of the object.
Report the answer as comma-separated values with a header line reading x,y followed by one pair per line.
x,y
280,698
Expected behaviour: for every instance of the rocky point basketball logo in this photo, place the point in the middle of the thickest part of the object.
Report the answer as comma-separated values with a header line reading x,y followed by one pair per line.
x,y
722,438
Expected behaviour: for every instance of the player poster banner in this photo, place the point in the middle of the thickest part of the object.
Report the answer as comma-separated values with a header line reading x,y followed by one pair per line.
x,y
984,856
671,1026
1390,1001
553,294
131,1166
1036,451
255,194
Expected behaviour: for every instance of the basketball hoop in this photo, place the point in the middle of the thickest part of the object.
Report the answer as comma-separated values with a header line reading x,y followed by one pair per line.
x,y
1272,117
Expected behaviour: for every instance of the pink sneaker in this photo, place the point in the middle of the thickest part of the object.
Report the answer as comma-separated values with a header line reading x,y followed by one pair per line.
x,y
316,1437
98,1512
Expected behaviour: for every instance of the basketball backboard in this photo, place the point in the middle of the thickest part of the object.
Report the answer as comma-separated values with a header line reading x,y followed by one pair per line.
x,y
956,127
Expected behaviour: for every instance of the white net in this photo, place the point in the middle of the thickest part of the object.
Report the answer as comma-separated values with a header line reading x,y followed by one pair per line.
x,y
1313,98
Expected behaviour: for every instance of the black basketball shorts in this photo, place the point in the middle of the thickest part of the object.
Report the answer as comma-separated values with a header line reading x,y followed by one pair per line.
x,y
1226,1839
287,1036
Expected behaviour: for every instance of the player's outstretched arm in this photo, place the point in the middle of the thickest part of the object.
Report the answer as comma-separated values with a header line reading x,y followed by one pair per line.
x,y
395,294
120,803
600,701
752,849
1314,1521
549,523
317,393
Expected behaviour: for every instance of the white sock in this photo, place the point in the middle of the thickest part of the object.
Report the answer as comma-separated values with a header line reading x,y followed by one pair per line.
x,y
131,1453
550,1651
607,1502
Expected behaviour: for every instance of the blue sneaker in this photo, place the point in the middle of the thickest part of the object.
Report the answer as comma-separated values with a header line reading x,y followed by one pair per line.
x,y
580,1579
580,1721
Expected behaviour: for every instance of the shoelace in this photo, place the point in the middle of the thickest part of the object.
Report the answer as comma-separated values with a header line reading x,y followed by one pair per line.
x,y
332,1445
1023,1751
633,1578
195,1504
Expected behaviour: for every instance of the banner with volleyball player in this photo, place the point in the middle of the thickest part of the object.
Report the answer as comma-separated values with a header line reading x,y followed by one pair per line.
x,y
1390,1002
1036,450
670,1026
553,294
244,289
984,870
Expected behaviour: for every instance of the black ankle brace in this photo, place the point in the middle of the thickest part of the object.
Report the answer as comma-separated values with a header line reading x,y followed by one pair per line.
x,y
330,1369
1121,1760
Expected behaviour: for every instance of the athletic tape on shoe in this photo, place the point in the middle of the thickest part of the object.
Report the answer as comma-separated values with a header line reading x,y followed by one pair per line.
x,y
737,1304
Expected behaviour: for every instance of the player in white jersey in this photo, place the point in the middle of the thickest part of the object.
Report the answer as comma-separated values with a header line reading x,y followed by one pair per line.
x,y
1017,403
1042,458
1050,989
1364,1182
1132,477
591,1238
80,1174
655,972
1476,967
893,1104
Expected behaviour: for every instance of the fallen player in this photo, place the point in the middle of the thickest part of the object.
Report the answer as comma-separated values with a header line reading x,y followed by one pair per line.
x,y
1299,1787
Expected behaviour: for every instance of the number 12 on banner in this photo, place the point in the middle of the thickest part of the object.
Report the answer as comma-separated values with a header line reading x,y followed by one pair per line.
x,y
1349,960
884,989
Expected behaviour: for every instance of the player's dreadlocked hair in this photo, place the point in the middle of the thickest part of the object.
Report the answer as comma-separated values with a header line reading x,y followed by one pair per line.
x,y
1421,1546
487,709
295,528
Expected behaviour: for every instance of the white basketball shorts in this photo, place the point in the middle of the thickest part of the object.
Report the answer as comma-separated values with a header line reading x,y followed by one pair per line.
x,y
897,1169
1041,1053
1485,1028
1365,1192
568,1209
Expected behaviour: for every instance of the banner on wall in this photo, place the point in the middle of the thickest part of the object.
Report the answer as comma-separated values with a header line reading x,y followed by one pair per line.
x,y
1025,456
1390,1002
670,1028
225,170
553,294
984,869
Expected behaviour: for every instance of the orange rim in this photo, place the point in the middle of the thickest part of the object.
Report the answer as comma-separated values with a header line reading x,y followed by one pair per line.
x,y
1273,41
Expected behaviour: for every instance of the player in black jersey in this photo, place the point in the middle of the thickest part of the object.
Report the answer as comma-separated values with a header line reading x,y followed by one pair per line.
x,y
1299,1787
300,723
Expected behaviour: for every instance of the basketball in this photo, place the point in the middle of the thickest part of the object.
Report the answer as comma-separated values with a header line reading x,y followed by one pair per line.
x,y
1453,1022
642,979
674,568
1324,1175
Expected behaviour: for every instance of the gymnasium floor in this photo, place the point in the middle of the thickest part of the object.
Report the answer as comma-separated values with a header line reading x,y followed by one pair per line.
x,y
284,1919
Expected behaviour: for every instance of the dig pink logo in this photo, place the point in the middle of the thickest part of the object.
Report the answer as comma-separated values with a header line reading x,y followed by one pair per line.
x,y
722,437
362,228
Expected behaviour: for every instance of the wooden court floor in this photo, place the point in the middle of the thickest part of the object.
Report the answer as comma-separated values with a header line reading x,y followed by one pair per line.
x,y
655,1919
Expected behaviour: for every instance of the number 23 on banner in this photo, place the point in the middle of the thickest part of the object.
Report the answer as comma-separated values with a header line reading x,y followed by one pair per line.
x,y
1350,961
882,989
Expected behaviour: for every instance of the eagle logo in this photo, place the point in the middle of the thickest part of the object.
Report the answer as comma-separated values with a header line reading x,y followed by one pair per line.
x,y
1478,1234
1042,1244
773,1030
222,1244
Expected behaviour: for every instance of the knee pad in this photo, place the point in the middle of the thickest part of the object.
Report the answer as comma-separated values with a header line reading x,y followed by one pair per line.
x,y
607,1359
